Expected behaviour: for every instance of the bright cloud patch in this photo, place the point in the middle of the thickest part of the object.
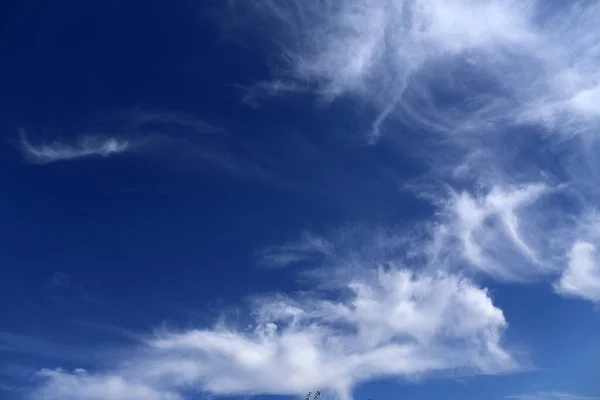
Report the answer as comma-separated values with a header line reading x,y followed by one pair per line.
x,y
58,151
582,276
397,324
80,385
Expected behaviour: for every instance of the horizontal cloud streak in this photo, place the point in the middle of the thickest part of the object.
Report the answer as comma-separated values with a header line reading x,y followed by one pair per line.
x,y
308,248
549,396
87,146
79,385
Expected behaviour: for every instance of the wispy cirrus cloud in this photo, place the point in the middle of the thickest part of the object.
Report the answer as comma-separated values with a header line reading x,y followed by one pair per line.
x,y
549,396
492,231
83,147
308,248
501,61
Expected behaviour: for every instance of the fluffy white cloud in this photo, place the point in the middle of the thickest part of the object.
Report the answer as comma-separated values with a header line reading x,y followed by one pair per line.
x,y
394,323
581,278
85,147
79,385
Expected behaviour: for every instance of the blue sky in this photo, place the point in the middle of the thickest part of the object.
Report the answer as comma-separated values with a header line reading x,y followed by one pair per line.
x,y
375,199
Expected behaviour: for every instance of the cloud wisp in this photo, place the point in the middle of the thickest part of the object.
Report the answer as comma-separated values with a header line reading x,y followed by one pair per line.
x,y
87,146
549,396
307,249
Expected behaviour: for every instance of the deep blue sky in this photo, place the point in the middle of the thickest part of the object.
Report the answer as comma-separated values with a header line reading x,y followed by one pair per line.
x,y
252,138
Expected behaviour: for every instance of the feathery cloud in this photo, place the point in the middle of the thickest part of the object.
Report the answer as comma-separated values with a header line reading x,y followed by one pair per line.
x,y
87,146
501,61
308,248
491,232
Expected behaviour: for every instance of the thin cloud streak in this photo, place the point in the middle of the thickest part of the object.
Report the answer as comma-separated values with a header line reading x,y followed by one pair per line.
x,y
308,248
549,396
87,146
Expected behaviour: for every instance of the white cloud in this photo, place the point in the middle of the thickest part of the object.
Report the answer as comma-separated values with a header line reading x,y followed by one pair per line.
x,y
493,231
549,396
507,63
392,323
78,385
504,61
88,146
469,73
581,278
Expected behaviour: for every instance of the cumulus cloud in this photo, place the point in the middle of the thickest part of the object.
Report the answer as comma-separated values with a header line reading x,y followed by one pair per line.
x,y
582,275
390,322
87,146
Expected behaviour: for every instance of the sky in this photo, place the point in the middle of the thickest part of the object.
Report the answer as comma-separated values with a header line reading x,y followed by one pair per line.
x,y
375,199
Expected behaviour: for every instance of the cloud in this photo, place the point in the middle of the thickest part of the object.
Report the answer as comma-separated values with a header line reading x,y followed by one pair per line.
x,y
549,396
582,275
396,303
498,62
308,248
493,231
495,89
388,322
79,385
86,146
